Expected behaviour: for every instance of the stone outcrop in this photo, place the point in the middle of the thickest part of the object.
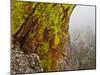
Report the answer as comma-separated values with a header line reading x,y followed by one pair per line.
x,y
21,63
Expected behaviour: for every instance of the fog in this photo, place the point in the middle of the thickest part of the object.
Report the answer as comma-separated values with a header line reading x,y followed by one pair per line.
x,y
82,20
82,35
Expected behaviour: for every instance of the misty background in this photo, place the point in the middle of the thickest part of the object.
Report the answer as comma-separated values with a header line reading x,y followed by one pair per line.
x,y
82,19
82,36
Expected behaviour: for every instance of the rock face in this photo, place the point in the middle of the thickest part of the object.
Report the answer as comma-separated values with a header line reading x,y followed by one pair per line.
x,y
21,63
44,31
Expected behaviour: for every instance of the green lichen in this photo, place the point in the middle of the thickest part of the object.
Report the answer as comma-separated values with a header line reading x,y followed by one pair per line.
x,y
49,16
19,14
70,10
57,40
44,48
47,63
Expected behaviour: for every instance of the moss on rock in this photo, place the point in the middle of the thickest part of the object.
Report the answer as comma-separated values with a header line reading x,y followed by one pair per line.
x,y
47,33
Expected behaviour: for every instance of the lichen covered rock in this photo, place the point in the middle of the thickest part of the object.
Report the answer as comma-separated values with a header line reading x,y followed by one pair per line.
x,y
44,31
21,63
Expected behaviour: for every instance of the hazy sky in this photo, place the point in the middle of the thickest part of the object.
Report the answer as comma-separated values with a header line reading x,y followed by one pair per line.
x,y
82,18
